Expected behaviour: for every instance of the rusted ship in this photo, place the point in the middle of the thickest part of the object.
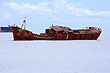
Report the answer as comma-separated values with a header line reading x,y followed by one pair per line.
x,y
56,33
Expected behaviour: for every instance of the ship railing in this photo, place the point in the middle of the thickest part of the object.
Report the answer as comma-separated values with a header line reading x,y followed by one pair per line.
x,y
99,29
93,28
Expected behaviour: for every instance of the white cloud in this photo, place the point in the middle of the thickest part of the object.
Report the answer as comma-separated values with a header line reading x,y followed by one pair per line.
x,y
58,7
27,8
63,6
59,11
87,12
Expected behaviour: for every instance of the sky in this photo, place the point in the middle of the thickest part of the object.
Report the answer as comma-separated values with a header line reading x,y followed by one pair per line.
x,y
41,14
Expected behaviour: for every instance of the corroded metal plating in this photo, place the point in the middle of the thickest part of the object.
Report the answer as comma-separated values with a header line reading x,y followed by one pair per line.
x,y
57,33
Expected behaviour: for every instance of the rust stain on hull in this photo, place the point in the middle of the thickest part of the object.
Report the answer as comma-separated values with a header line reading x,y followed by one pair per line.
x,y
57,33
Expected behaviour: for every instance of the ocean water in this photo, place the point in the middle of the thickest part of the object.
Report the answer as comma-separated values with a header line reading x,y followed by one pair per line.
x,y
76,56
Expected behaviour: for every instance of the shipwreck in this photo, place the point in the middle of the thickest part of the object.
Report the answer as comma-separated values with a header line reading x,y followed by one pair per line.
x,y
56,33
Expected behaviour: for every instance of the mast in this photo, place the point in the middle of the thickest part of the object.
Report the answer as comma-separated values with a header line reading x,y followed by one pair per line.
x,y
24,23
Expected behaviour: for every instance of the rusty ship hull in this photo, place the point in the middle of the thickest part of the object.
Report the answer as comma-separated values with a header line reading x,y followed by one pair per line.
x,y
57,33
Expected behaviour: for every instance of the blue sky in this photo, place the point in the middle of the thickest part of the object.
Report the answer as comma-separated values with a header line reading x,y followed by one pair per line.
x,y
42,13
